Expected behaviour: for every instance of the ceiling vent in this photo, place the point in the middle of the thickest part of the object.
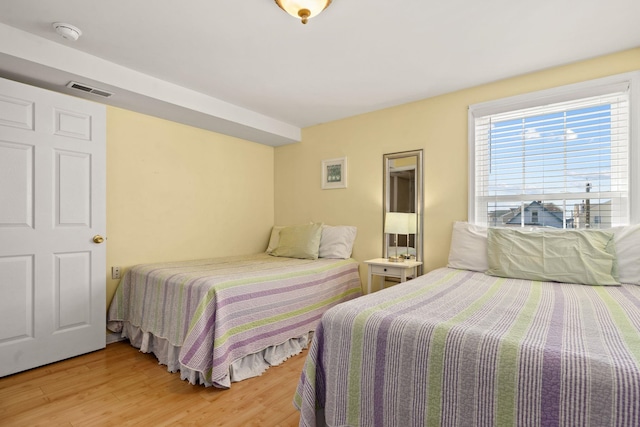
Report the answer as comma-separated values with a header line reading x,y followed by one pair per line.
x,y
89,89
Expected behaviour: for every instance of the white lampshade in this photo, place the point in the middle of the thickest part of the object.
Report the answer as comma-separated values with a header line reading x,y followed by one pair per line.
x,y
303,9
399,223
413,223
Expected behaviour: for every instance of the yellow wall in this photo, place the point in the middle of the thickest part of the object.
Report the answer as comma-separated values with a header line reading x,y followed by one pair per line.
x,y
176,192
438,125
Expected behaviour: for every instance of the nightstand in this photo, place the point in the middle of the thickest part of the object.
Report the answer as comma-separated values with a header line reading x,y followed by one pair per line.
x,y
386,268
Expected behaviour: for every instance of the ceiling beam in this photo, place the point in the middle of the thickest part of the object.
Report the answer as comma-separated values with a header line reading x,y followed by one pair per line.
x,y
40,62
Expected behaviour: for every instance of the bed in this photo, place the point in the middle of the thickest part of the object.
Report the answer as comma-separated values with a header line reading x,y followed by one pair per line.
x,y
226,319
460,347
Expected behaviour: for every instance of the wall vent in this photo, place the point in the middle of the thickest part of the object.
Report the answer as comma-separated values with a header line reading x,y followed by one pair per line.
x,y
89,89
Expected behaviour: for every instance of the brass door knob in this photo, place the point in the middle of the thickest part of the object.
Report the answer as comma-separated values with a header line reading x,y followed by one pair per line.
x,y
98,239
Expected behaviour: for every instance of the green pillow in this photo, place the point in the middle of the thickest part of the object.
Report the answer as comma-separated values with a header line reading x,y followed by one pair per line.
x,y
299,241
570,256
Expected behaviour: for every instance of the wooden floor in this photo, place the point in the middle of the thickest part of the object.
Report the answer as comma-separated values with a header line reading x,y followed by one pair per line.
x,y
120,386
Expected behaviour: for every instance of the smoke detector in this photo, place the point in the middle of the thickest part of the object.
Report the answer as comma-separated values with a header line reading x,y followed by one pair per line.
x,y
67,31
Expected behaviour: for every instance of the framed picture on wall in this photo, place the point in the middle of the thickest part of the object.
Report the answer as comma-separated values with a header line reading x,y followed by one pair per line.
x,y
334,173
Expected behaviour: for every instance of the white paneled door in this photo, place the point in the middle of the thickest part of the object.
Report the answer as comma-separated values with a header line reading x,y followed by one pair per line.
x,y
52,220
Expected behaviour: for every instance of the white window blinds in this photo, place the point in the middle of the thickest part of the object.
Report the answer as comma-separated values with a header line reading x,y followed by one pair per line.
x,y
564,163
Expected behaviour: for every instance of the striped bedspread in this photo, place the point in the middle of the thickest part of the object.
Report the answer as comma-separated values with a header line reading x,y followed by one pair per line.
x,y
220,310
458,348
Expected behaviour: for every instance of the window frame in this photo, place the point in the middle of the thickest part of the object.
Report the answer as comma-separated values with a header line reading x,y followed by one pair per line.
x,y
569,92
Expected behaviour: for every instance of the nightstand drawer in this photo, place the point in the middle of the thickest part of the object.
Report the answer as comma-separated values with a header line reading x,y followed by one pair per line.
x,y
381,270
385,268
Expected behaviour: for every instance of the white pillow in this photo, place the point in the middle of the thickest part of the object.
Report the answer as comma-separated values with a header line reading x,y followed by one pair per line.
x,y
627,241
337,241
274,240
468,247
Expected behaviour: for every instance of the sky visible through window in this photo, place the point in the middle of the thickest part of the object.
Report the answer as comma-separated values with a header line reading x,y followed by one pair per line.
x,y
551,155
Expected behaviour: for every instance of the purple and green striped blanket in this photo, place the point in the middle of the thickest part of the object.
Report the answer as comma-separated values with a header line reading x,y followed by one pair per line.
x,y
459,348
220,310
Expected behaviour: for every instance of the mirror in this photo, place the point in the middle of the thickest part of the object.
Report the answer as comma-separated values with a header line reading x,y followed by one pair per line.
x,y
402,192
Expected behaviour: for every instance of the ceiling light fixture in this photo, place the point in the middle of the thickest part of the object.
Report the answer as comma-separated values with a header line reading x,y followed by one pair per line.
x,y
303,9
67,31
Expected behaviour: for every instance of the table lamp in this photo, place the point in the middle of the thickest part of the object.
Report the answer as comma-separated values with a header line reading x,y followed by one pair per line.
x,y
398,223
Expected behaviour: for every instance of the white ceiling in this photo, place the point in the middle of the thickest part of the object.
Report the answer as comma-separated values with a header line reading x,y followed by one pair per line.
x,y
246,68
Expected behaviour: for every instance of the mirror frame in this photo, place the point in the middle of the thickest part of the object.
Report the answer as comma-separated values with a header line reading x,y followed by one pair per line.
x,y
419,199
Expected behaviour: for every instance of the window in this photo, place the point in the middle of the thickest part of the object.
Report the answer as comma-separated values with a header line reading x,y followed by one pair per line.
x,y
565,158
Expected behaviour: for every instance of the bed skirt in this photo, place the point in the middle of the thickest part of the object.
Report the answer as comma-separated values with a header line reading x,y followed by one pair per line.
x,y
252,365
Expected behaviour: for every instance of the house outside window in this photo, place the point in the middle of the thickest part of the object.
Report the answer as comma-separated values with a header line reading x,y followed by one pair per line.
x,y
564,158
